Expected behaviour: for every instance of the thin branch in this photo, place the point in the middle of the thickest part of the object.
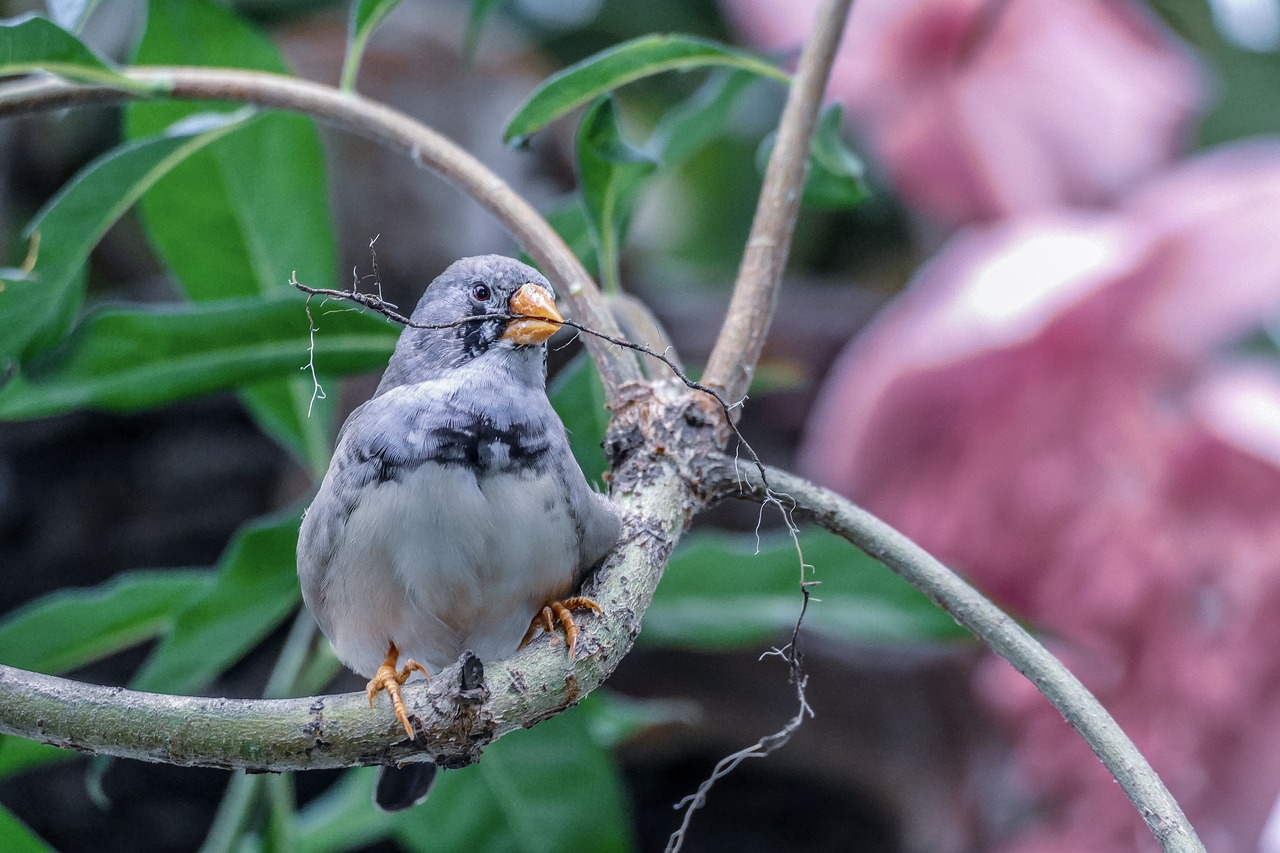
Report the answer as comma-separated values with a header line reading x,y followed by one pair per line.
x,y
379,305
317,392
755,295
375,302
424,146
342,731
790,653
766,745
1008,639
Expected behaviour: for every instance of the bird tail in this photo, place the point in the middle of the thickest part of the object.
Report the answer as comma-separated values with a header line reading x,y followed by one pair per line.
x,y
400,788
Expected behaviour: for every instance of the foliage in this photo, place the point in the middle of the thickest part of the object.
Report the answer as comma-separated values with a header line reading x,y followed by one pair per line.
x,y
366,15
233,203
37,44
264,213
617,66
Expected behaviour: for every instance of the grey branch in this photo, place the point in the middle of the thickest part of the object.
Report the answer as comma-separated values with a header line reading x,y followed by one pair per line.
x,y
421,144
1002,634
755,295
342,731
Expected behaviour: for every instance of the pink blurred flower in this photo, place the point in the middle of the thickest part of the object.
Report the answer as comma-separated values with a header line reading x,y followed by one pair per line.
x,y
982,108
1049,408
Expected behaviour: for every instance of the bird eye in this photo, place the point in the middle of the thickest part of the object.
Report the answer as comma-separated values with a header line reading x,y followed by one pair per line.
x,y
480,292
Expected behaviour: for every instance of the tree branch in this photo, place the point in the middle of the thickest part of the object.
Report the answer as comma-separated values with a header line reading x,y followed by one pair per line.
x,y
755,295
378,122
657,504
997,630
664,474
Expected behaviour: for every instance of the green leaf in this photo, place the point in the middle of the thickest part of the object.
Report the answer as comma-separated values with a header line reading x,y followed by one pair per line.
x,y
779,374
255,589
584,81
687,128
72,627
18,754
1263,342
38,44
528,789
299,419
480,10
569,219
717,592
124,359
611,171
615,718
835,178
577,395
36,309
366,15
343,818
17,837
281,801
247,213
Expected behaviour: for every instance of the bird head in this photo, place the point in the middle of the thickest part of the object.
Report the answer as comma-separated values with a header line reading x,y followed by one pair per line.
x,y
476,288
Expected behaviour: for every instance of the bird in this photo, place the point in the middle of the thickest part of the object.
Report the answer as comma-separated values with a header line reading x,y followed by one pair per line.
x,y
453,516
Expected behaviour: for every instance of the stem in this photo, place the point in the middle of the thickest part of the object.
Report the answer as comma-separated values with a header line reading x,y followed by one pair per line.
x,y
229,823
1004,635
352,112
293,657
755,295
282,805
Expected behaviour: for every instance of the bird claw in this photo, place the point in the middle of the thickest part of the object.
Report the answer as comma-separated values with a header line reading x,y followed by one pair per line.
x,y
561,611
388,679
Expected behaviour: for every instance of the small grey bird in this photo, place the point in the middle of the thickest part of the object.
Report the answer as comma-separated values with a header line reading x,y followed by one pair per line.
x,y
453,515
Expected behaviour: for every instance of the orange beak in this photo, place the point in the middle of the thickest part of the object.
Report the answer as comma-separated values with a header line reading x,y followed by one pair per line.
x,y
540,318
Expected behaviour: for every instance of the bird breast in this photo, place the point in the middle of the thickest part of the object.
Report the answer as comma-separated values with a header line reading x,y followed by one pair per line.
x,y
470,558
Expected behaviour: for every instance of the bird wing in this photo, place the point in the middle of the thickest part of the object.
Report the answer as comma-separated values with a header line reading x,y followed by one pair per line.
x,y
381,440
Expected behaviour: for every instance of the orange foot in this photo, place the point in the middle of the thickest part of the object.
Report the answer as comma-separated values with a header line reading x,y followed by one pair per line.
x,y
560,611
386,678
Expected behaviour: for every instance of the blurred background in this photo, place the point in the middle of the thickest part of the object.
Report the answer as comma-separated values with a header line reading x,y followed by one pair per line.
x,y
1040,339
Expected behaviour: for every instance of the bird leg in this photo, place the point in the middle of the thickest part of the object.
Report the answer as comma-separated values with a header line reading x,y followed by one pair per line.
x,y
386,678
561,611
